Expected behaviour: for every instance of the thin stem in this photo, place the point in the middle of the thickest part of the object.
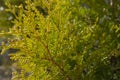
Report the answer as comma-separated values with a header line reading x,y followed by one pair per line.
x,y
55,63
51,59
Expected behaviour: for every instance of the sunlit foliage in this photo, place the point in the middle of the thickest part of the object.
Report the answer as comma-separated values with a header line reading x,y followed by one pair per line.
x,y
63,40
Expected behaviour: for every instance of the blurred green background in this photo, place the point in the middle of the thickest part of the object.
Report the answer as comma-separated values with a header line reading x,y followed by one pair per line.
x,y
6,23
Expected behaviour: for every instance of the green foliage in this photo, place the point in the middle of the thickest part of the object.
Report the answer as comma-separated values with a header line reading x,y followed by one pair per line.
x,y
7,17
62,40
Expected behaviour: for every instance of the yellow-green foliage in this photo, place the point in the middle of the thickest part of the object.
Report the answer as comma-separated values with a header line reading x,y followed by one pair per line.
x,y
56,44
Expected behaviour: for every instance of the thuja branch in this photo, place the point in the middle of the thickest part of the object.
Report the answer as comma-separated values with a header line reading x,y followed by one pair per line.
x,y
51,59
56,64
